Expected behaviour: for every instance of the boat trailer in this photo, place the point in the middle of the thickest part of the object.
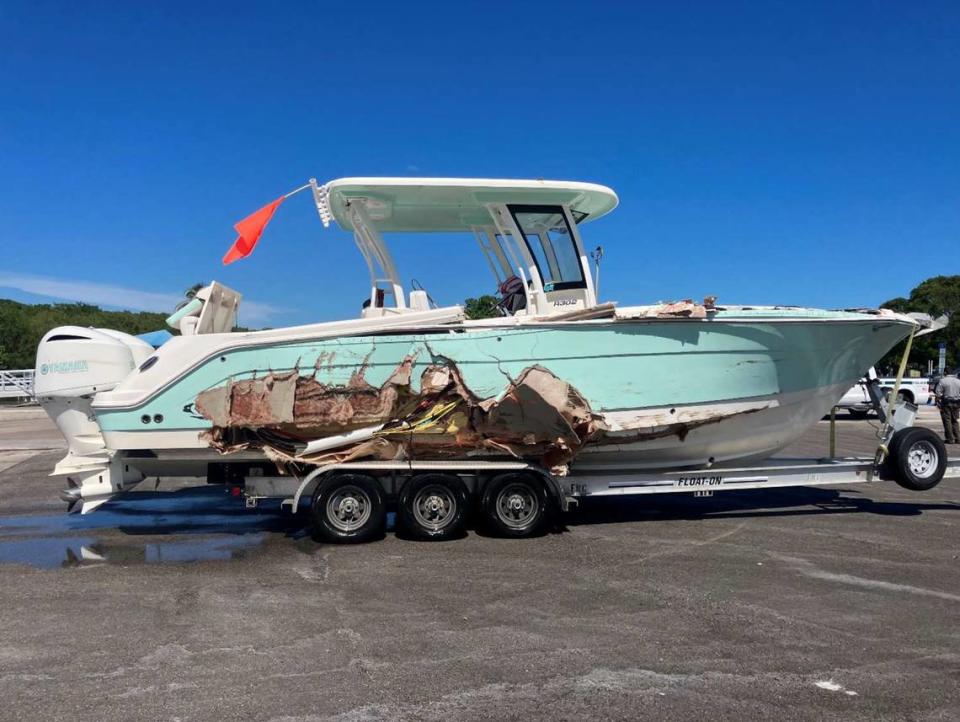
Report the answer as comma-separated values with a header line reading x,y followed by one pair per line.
x,y
435,499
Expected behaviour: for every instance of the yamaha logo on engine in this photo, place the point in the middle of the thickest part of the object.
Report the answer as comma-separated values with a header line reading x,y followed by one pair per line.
x,y
64,367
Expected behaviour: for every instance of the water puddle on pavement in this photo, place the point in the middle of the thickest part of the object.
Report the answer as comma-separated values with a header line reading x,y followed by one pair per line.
x,y
53,552
201,523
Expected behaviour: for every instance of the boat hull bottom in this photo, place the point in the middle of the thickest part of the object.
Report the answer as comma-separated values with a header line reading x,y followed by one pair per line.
x,y
751,435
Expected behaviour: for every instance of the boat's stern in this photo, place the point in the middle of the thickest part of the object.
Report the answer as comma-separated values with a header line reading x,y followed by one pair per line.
x,y
73,365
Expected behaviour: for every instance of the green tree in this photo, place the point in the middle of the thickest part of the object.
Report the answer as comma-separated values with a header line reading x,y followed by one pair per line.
x,y
483,307
23,325
936,296
14,334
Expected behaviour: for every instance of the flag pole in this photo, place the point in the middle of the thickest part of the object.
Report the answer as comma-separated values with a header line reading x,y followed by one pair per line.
x,y
296,190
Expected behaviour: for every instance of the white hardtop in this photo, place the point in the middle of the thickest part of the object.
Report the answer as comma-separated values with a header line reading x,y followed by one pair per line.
x,y
526,229
457,204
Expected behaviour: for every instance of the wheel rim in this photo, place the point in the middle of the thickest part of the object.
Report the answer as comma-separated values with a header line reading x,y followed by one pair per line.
x,y
349,508
517,504
435,507
923,459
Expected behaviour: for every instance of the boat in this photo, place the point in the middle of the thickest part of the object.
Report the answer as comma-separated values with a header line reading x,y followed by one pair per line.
x,y
559,380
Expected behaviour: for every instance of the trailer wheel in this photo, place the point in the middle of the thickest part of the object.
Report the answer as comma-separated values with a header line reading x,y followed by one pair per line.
x,y
434,506
918,458
515,505
349,508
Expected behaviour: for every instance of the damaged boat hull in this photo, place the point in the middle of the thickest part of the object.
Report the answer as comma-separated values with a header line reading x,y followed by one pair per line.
x,y
651,393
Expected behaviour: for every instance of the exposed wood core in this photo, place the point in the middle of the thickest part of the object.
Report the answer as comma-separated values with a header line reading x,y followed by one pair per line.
x,y
539,418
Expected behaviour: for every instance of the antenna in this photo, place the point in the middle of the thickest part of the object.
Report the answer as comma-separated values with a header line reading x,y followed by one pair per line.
x,y
596,255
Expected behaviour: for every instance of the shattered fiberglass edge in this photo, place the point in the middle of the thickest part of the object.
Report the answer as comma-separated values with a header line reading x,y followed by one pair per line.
x,y
539,418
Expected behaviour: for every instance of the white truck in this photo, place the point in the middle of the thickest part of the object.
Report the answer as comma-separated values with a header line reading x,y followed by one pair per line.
x,y
857,402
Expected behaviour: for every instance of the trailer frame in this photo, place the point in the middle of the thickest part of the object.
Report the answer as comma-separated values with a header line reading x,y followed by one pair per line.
x,y
600,479
568,490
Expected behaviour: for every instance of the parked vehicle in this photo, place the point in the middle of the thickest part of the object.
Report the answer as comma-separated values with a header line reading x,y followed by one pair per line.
x,y
856,401
914,390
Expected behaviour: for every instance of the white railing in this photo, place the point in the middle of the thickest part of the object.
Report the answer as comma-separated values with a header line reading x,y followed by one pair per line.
x,y
16,384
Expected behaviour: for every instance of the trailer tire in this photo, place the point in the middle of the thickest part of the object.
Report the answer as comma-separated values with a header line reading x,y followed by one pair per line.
x,y
918,458
515,505
348,509
434,506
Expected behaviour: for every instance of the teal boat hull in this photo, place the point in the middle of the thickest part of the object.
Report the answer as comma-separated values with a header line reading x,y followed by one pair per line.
x,y
669,393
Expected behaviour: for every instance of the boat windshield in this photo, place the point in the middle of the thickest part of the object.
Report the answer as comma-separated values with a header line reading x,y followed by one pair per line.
x,y
551,244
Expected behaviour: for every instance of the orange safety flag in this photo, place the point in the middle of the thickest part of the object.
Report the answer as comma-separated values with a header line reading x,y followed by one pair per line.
x,y
250,229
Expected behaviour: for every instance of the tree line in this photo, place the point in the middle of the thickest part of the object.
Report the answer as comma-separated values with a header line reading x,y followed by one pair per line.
x,y
22,326
936,296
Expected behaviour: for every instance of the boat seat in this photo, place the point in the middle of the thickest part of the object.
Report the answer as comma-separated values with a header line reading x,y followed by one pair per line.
x,y
419,300
213,309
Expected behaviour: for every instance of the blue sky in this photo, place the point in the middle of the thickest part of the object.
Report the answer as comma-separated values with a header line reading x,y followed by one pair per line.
x,y
797,153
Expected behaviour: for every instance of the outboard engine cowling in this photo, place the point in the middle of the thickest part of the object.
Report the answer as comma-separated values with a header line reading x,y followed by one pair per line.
x,y
74,361
74,364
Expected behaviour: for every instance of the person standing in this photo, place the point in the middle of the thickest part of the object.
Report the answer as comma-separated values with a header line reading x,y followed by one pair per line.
x,y
948,400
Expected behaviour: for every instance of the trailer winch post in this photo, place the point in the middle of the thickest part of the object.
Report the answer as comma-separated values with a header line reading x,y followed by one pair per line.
x,y
885,430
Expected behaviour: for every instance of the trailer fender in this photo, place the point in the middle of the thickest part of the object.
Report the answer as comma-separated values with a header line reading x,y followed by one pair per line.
x,y
554,490
309,485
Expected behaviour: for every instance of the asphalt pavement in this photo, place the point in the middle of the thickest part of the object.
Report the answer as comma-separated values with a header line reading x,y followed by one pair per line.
x,y
176,603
